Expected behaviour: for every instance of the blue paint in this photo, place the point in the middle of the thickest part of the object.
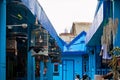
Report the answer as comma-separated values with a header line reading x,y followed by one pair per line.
x,y
68,69
29,66
49,73
32,62
76,40
38,11
76,46
72,54
71,65
3,40
103,12
117,16
91,67
98,6
57,75
94,32
110,10
72,58
41,70
107,9
33,68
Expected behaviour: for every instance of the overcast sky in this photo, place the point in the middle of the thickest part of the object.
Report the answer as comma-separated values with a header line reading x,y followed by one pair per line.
x,y
62,13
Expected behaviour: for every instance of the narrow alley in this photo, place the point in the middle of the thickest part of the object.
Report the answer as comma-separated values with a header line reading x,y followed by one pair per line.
x,y
31,49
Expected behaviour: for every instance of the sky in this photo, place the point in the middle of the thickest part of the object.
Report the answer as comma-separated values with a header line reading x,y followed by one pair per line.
x,y
62,13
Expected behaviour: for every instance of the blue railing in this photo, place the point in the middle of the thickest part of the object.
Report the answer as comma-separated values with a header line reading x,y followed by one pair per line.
x,y
38,78
102,71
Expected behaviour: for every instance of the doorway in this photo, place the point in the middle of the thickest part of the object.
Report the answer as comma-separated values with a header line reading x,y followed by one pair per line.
x,y
16,57
68,70
85,65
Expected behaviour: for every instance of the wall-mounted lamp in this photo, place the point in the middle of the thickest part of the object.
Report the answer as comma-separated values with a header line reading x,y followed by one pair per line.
x,y
21,25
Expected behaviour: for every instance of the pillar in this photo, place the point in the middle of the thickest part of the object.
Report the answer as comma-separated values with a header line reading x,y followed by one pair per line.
x,y
29,66
49,73
33,68
116,15
41,70
3,39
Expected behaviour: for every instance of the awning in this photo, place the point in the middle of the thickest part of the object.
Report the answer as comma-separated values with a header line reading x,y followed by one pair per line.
x,y
102,14
37,10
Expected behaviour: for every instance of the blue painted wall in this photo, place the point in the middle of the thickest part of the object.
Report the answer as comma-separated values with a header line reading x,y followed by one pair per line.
x,y
74,66
116,15
91,66
49,74
111,10
59,76
94,61
77,44
72,58
71,65
3,39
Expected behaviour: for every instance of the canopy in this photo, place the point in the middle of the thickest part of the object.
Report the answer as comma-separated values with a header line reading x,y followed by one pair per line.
x,y
37,11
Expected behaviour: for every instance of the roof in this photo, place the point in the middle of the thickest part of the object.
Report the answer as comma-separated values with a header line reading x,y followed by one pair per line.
x,y
66,34
77,45
103,13
38,11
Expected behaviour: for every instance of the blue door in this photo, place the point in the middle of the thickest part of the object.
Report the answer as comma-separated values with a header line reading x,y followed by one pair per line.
x,y
68,70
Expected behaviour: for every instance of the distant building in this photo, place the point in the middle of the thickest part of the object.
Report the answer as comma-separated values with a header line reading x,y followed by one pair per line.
x,y
77,28
67,37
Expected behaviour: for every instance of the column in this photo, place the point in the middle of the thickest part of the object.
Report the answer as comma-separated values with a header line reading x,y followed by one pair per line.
x,y
116,15
49,73
3,39
33,68
29,66
41,70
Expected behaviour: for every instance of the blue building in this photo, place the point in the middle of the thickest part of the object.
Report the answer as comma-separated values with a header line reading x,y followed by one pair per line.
x,y
104,30
75,58
30,47
105,23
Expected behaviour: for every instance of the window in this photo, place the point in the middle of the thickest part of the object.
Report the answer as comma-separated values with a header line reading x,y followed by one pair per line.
x,y
56,69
